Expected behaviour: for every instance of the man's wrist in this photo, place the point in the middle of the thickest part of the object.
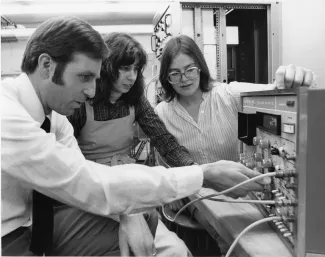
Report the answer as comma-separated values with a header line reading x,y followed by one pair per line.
x,y
206,170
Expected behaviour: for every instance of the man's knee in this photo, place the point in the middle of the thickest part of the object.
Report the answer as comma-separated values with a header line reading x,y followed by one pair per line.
x,y
169,244
178,247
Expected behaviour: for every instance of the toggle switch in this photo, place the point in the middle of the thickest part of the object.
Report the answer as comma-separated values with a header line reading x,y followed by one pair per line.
x,y
275,150
291,186
290,157
282,151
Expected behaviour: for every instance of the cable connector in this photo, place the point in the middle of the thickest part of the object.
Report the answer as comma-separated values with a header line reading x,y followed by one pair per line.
x,y
288,218
285,173
285,202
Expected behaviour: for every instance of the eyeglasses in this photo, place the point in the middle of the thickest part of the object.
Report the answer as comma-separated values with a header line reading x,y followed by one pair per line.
x,y
176,76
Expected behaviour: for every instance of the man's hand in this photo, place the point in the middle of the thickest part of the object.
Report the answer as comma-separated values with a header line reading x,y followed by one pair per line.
x,y
135,235
292,76
222,175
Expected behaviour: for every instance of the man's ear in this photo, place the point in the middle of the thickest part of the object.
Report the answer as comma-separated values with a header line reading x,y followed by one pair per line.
x,y
46,65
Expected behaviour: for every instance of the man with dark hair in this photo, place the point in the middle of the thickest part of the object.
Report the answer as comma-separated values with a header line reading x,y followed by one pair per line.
x,y
61,63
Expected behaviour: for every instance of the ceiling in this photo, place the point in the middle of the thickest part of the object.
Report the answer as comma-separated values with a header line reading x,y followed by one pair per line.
x,y
30,13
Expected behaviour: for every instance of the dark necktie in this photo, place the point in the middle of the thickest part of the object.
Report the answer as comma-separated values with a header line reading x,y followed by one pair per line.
x,y
43,216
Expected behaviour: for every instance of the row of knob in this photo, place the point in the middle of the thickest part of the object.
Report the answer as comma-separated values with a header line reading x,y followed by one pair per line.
x,y
266,163
283,212
264,143
283,229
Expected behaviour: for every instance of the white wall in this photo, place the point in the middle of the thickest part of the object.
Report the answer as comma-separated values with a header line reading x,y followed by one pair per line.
x,y
11,56
303,35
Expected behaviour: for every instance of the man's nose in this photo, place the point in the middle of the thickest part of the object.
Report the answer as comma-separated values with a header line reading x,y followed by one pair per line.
x,y
90,90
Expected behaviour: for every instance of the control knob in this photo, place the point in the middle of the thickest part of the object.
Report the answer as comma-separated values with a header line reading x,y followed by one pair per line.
x,y
264,143
256,140
267,163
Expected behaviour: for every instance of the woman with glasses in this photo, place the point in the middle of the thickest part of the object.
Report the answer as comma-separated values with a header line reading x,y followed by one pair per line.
x,y
199,112
104,125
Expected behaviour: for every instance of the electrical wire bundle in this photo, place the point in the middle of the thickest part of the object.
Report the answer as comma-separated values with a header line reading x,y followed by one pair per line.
x,y
212,198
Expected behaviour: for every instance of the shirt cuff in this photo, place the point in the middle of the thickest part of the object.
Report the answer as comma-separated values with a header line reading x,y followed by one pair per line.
x,y
140,211
185,161
189,180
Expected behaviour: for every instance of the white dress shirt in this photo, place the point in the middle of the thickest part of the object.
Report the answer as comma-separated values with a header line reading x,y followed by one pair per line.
x,y
53,164
214,136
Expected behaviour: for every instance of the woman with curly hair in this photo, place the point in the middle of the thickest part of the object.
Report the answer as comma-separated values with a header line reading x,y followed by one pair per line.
x,y
103,126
